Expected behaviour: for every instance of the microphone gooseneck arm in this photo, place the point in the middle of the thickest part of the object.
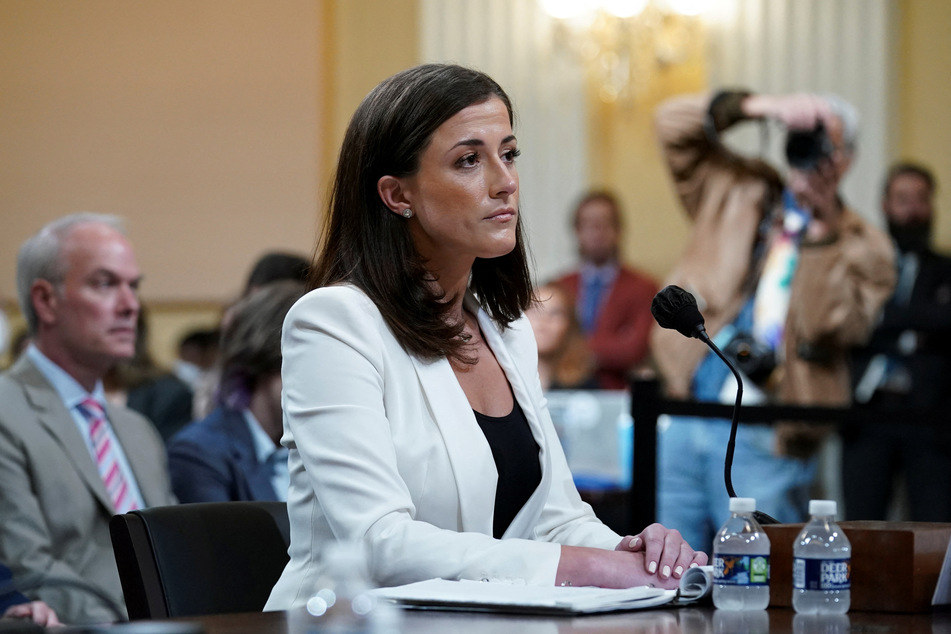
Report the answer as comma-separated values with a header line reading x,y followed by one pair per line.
x,y
731,445
675,308
761,517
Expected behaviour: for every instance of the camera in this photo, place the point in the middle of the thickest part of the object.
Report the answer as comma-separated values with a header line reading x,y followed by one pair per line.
x,y
752,357
805,149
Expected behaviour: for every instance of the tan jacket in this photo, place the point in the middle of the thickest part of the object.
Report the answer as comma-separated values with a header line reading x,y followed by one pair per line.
x,y
838,289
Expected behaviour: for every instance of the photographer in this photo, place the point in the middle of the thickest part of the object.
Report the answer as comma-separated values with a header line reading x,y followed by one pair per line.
x,y
788,279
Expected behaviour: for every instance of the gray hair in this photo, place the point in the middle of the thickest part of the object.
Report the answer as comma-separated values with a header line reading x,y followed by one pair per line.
x,y
848,115
39,257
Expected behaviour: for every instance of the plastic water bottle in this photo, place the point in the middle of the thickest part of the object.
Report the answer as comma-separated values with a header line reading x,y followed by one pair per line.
x,y
821,624
738,622
343,602
741,560
822,564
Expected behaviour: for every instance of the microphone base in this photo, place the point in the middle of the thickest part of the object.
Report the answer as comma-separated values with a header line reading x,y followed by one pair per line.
x,y
764,519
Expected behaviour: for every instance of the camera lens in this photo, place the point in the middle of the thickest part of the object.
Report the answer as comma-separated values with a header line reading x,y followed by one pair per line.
x,y
805,149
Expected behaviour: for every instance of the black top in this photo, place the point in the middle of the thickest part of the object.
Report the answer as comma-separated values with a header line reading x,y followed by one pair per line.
x,y
513,448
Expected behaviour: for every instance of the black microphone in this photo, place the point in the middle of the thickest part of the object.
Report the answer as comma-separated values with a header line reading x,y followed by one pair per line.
x,y
675,308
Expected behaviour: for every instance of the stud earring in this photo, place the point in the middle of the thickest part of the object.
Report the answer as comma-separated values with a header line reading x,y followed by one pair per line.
x,y
407,213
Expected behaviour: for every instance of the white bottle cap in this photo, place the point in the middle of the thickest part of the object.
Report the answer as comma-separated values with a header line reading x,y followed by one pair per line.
x,y
822,508
742,505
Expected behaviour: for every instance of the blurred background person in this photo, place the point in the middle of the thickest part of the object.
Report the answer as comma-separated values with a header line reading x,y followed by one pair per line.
x,y
70,460
270,267
566,363
235,453
141,385
788,278
907,366
197,354
612,300
564,360
274,266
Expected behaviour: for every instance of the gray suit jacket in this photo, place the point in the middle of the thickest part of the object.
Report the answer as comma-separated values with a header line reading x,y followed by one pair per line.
x,y
54,509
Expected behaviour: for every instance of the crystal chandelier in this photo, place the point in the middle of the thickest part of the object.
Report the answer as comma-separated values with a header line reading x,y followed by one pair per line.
x,y
623,43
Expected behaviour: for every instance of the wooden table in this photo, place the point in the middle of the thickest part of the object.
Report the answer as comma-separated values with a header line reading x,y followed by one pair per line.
x,y
688,620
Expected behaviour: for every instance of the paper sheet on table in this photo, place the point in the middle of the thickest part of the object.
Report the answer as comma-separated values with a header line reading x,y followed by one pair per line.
x,y
506,597
696,584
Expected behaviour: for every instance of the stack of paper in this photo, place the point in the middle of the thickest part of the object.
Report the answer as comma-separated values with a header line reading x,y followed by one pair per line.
x,y
506,597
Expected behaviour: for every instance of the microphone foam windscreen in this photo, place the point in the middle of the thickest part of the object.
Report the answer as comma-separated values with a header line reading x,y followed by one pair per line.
x,y
675,308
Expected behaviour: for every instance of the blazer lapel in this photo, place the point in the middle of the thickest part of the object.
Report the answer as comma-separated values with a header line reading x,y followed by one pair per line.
x,y
469,452
257,485
131,443
523,523
58,421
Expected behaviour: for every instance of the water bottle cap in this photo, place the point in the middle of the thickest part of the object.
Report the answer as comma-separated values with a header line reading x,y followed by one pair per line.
x,y
742,505
823,508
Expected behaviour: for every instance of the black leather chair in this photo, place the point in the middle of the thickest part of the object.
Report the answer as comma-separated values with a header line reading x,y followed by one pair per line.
x,y
194,559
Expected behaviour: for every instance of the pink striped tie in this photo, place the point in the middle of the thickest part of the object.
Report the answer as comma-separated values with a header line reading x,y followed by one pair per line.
x,y
106,459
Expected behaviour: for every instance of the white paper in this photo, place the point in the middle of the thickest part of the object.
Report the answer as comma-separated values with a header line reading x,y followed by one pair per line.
x,y
500,596
696,584
942,589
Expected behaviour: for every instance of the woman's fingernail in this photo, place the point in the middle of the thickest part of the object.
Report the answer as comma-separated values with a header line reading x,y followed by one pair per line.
x,y
634,543
679,570
652,568
666,572
694,565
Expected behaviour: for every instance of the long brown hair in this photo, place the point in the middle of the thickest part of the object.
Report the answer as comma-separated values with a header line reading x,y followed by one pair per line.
x,y
364,243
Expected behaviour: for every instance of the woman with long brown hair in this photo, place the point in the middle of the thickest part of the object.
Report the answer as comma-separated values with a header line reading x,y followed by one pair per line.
x,y
413,414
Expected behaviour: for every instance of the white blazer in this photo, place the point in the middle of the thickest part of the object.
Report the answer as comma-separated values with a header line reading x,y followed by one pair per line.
x,y
385,449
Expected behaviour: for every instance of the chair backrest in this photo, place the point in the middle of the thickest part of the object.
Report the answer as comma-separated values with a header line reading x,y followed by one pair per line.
x,y
194,559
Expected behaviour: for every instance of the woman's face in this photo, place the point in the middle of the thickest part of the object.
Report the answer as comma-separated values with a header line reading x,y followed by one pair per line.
x,y
464,196
550,317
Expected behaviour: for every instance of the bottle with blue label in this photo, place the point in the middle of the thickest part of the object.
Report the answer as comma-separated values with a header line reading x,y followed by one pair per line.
x,y
343,602
822,564
741,560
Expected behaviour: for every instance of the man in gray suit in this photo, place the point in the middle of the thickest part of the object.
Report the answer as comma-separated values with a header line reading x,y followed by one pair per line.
x,y
68,460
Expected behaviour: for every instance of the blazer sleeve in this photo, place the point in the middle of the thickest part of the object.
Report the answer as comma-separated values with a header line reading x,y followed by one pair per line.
x,y
26,540
341,370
